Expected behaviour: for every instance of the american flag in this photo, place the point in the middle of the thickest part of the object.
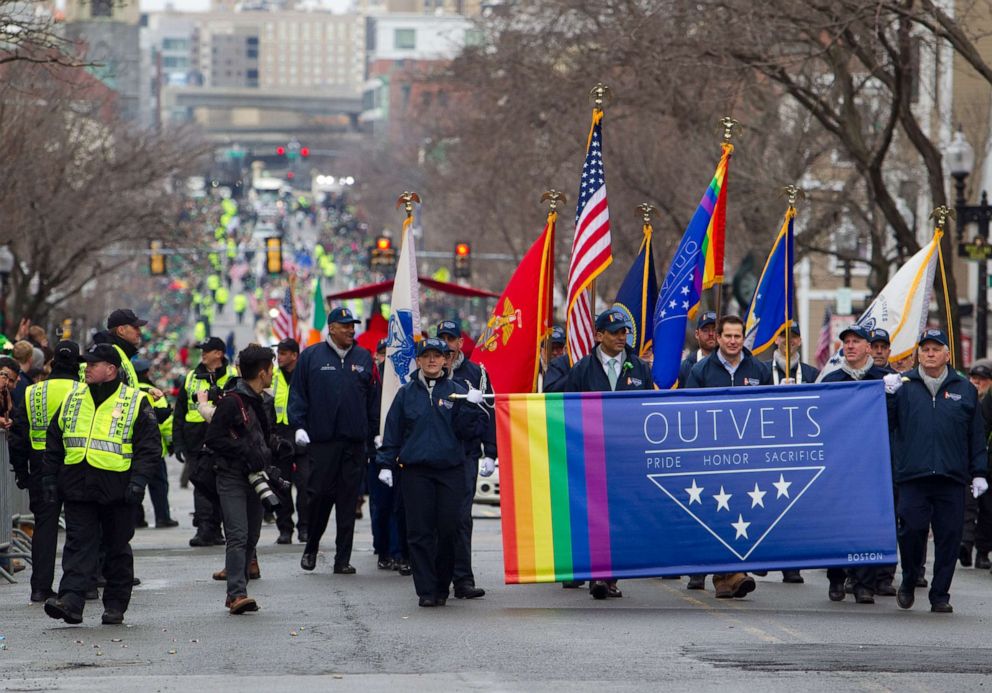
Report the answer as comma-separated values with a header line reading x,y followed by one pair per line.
x,y
591,248
824,344
284,324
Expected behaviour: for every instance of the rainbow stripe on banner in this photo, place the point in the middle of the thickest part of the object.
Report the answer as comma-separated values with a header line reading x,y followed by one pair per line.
x,y
553,494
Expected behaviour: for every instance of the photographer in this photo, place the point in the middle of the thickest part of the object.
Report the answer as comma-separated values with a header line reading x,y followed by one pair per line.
x,y
237,436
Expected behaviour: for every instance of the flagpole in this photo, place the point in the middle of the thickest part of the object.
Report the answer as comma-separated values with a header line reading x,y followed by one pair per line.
x,y
730,127
599,94
941,215
793,194
646,210
553,198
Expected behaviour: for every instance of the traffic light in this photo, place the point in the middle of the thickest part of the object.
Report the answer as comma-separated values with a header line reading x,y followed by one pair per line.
x,y
273,255
383,256
156,261
304,152
463,260
290,175
280,151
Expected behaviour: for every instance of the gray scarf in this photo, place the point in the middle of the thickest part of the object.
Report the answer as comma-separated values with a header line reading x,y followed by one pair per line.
x,y
857,373
933,384
338,350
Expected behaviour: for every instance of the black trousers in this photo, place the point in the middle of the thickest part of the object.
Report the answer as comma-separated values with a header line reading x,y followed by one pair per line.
x,y
926,503
242,526
433,499
45,540
296,470
207,516
463,539
335,476
977,522
92,529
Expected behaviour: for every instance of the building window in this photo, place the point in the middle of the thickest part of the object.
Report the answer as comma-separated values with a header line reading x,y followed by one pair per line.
x,y
252,53
405,39
102,8
174,44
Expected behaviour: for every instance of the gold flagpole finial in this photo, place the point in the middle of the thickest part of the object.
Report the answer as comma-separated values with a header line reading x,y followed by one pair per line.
x,y
406,200
554,198
646,210
942,214
600,94
793,194
731,127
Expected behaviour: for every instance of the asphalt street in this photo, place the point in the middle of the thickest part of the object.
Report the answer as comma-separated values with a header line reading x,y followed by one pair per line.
x,y
319,631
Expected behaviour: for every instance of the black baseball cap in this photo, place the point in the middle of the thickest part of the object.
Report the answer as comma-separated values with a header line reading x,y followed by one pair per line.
x,y
66,353
124,316
981,370
342,315
707,318
288,344
557,334
880,336
612,320
450,328
938,336
856,330
212,344
432,343
102,352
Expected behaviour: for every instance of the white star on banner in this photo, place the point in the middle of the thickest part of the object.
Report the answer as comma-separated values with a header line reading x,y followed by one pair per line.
x,y
741,527
722,500
757,496
695,493
782,486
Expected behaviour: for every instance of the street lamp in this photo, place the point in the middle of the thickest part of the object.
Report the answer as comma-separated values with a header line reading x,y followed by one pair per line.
x,y
6,267
960,158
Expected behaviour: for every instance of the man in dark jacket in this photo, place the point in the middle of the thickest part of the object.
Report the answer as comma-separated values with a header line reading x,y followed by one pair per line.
x,y
729,365
27,449
469,375
977,531
294,464
865,581
706,339
881,348
797,372
556,373
189,429
612,366
238,435
124,332
939,449
332,406
426,431
101,447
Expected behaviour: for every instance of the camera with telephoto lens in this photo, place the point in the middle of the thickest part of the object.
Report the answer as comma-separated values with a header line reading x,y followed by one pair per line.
x,y
260,482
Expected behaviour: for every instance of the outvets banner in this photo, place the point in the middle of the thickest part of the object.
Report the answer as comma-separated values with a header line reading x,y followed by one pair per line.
x,y
642,484
510,345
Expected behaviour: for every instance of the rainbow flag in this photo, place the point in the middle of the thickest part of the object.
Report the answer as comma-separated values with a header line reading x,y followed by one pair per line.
x,y
714,204
553,496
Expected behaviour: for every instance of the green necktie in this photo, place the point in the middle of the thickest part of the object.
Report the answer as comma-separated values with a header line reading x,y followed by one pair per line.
x,y
613,374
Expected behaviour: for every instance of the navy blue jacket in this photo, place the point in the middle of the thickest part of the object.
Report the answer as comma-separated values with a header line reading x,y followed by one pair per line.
x,y
841,376
685,368
711,373
557,374
588,375
429,429
937,436
334,399
470,374
809,372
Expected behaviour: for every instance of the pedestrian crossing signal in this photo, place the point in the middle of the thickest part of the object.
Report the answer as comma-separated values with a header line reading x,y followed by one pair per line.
x,y
156,262
273,255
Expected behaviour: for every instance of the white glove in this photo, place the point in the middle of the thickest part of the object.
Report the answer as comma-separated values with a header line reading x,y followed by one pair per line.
x,y
979,486
377,441
474,396
487,465
302,438
386,477
893,381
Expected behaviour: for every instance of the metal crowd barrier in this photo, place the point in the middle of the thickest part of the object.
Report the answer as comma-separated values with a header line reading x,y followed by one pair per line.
x,y
14,510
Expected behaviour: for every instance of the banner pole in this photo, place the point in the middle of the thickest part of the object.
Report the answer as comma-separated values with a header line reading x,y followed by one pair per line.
x,y
940,216
553,198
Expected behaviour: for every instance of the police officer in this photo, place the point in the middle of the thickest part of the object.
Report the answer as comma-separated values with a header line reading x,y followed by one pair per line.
x,y
470,376
27,448
858,364
556,374
158,483
188,430
102,446
730,364
425,434
240,305
296,467
939,439
881,347
977,532
611,366
125,336
332,406
706,339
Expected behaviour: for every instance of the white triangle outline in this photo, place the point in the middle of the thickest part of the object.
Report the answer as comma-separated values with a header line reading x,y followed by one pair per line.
x,y
819,470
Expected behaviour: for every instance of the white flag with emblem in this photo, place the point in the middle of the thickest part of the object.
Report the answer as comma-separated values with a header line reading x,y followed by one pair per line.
x,y
404,324
902,306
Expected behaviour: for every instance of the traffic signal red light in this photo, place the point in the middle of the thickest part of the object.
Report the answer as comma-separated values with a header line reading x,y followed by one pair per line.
x,y
280,151
290,175
304,152
462,249
463,260
383,243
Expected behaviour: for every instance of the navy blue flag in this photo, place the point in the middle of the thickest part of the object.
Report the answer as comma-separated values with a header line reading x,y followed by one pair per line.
x,y
637,295
771,307
759,478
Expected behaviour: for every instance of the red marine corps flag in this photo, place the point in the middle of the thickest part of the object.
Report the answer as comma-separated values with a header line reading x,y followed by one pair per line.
x,y
510,345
